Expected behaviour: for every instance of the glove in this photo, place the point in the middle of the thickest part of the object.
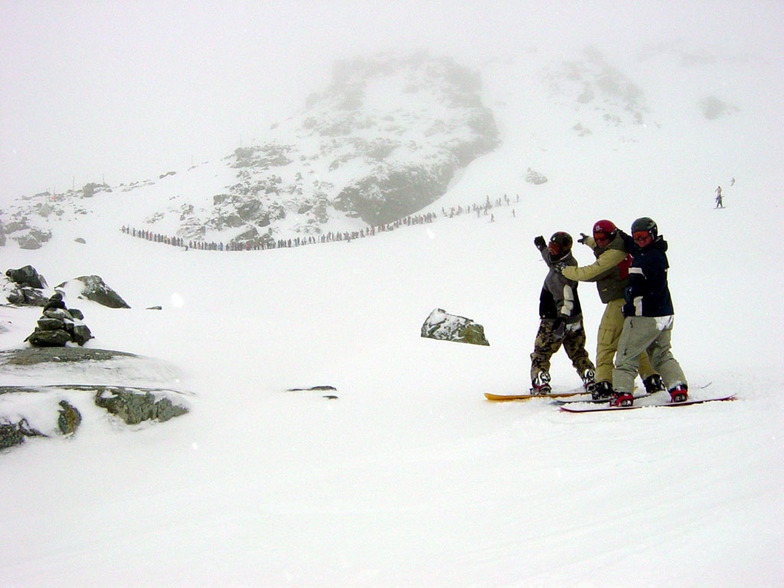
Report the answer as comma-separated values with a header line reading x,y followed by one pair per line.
x,y
583,238
559,329
559,267
540,243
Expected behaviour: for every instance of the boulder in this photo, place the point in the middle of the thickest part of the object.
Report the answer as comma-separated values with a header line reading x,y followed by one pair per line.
x,y
69,418
26,297
136,406
33,239
95,289
12,434
51,338
26,276
448,327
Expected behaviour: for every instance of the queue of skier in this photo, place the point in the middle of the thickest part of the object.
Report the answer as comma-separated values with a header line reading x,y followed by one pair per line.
x,y
630,273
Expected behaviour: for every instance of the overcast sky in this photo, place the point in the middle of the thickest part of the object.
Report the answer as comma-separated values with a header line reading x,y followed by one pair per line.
x,y
125,90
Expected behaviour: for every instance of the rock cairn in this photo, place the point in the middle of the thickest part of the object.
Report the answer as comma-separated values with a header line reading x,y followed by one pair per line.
x,y
59,326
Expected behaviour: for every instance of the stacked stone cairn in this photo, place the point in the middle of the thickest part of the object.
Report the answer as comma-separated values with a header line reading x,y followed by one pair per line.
x,y
59,325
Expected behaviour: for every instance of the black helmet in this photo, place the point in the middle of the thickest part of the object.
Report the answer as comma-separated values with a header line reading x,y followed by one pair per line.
x,y
562,242
645,224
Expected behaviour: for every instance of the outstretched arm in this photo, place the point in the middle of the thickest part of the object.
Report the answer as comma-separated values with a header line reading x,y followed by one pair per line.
x,y
590,273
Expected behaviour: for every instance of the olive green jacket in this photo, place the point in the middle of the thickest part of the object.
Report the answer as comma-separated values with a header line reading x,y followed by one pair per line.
x,y
610,271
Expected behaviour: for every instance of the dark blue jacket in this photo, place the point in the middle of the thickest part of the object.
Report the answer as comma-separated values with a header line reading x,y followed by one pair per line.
x,y
648,293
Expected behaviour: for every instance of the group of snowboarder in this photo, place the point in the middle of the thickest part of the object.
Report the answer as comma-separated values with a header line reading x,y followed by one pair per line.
x,y
630,272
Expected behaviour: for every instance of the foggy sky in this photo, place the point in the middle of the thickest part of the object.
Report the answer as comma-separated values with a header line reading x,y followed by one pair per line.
x,y
126,90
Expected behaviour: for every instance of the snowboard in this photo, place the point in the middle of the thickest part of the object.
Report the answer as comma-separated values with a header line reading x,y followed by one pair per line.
x,y
507,397
587,407
606,401
560,402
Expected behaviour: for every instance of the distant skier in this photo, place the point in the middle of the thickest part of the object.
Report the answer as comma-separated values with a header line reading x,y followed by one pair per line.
x,y
719,199
561,319
610,271
649,318
732,182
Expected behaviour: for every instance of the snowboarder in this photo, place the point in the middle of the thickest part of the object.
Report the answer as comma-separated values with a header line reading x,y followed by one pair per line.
x,y
719,199
610,271
561,319
649,318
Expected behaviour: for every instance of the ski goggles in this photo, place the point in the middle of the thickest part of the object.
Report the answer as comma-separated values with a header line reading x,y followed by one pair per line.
x,y
641,236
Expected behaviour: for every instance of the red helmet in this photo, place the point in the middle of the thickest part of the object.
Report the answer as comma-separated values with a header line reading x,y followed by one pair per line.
x,y
604,230
604,226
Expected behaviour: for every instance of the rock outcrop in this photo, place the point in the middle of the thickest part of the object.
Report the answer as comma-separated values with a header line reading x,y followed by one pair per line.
x,y
448,327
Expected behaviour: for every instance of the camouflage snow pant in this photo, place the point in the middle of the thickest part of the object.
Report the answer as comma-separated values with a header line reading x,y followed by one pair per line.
x,y
547,344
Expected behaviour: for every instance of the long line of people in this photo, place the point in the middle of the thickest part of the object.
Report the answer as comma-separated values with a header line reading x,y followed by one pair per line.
x,y
329,237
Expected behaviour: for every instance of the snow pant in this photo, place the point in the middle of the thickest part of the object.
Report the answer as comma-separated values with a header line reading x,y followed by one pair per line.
x,y
643,334
610,330
547,344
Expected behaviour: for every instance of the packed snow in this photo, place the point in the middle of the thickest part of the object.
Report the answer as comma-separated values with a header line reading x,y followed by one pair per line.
x,y
410,477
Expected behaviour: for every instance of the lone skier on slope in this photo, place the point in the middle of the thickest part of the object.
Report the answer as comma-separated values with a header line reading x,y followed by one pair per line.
x,y
610,271
719,198
561,317
649,318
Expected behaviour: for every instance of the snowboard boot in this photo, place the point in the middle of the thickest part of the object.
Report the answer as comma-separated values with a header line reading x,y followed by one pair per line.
x,y
587,377
679,393
541,384
653,383
602,390
622,399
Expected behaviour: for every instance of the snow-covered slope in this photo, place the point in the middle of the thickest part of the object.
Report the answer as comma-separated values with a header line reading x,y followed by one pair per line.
x,y
382,141
411,478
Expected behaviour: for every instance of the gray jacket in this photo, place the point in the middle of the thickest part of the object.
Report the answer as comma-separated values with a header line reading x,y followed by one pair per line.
x,y
559,299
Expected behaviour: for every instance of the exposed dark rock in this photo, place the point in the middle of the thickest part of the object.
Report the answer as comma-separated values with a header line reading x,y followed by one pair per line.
x,y
59,326
70,418
12,434
134,406
448,327
26,276
26,297
95,289
33,238
34,356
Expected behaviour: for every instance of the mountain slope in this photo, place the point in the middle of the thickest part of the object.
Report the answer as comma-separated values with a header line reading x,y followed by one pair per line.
x,y
410,477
